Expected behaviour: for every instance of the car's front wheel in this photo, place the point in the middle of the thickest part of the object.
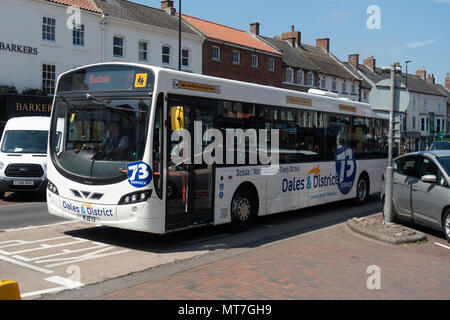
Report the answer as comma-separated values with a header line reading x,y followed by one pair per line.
x,y
446,224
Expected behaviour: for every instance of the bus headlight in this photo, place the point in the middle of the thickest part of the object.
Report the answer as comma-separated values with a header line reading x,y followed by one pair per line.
x,y
51,187
135,197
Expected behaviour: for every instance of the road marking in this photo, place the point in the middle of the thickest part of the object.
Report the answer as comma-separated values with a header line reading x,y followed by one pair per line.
x,y
439,244
43,226
36,293
26,265
68,283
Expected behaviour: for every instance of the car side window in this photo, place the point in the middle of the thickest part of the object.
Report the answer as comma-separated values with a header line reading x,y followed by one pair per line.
x,y
406,166
428,168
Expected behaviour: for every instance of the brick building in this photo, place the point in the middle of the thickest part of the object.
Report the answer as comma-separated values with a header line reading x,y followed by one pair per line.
x,y
237,55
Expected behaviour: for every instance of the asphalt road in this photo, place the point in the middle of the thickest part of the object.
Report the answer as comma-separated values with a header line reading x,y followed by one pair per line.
x,y
28,211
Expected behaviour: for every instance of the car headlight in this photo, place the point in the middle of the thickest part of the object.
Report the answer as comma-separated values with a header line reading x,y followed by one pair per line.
x,y
135,197
52,188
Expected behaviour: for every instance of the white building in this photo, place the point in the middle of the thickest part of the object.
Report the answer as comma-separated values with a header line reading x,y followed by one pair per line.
x,y
40,39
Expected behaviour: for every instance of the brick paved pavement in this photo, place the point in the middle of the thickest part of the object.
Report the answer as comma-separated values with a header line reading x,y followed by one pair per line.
x,y
326,264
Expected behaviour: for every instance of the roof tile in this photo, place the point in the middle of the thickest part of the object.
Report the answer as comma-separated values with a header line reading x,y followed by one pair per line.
x,y
222,33
82,4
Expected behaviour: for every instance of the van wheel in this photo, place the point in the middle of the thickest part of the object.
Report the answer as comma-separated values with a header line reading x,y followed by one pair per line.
x,y
446,224
362,190
242,210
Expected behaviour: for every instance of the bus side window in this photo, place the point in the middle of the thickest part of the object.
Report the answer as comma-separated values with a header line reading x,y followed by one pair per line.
x,y
157,146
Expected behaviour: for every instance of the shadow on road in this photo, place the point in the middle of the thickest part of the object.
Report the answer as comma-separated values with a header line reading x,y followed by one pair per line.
x,y
23,197
265,230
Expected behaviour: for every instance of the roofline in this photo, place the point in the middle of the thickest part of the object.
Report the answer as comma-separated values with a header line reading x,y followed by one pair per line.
x,y
67,5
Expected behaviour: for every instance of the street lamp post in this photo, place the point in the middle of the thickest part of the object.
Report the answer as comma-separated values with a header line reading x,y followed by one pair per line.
x,y
179,35
388,219
406,63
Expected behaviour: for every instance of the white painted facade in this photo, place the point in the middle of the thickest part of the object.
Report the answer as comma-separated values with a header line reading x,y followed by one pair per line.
x,y
343,87
21,23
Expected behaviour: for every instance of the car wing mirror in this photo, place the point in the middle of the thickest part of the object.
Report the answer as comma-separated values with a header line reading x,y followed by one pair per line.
x,y
429,178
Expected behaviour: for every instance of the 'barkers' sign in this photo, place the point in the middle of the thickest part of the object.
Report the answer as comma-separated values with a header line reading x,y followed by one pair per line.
x,y
18,48
19,106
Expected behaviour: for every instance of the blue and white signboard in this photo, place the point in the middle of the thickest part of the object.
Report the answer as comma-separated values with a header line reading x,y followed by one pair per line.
x,y
139,174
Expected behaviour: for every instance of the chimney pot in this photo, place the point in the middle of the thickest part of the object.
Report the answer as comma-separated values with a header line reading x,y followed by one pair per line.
x,y
422,73
431,78
323,43
167,6
295,37
370,62
254,28
353,59
447,81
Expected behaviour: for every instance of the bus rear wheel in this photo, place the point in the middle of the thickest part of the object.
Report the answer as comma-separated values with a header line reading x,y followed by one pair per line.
x,y
242,210
362,190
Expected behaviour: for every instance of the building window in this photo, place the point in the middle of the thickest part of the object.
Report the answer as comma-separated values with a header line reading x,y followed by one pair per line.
x,y
49,29
300,77
365,95
254,61
353,88
438,125
333,85
78,35
216,53
185,57
143,50
118,46
271,65
289,75
309,79
323,83
48,78
236,57
422,124
425,105
414,123
344,87
166,54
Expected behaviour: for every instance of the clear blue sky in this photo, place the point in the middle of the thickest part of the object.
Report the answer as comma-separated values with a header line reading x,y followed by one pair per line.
x,y
416,30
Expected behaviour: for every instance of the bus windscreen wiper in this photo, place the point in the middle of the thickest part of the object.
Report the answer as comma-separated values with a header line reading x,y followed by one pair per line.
x,y
103,103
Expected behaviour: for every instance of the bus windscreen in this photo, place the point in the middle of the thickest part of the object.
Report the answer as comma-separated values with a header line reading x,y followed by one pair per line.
x,y
108,78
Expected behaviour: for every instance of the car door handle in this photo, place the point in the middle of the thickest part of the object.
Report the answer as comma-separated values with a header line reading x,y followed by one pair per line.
x,y
415,188
395,181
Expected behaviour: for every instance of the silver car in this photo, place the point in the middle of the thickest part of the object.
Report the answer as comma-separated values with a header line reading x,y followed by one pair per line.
x,y
422,189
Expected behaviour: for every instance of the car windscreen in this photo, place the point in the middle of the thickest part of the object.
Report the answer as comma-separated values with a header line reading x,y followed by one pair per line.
x,y
445,162
25,141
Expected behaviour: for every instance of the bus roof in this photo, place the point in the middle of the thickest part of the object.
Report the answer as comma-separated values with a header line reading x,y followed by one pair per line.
x,y
179,82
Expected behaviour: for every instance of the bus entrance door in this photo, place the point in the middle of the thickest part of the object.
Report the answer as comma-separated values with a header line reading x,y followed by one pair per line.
x,y
189,180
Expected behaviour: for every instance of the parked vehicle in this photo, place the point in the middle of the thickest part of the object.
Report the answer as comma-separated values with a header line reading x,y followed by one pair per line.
x,y
421,190
23,154
440,145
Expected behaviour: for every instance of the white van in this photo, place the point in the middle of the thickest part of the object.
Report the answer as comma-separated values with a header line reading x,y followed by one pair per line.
x,y
23,154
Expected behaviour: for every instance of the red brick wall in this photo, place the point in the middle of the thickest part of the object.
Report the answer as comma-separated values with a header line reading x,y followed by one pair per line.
x,y
242,72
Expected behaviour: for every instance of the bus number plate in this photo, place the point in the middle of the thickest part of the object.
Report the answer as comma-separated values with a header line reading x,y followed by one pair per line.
x,y
89,219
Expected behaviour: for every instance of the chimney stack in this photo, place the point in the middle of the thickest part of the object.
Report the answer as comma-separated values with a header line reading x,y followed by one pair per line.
x,y
295,37
431,78
370,63
323,43
254,28
167,6
447,81
353,59
422,73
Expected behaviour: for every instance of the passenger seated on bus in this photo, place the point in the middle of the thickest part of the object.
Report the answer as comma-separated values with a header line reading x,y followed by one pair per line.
x,y
116,143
